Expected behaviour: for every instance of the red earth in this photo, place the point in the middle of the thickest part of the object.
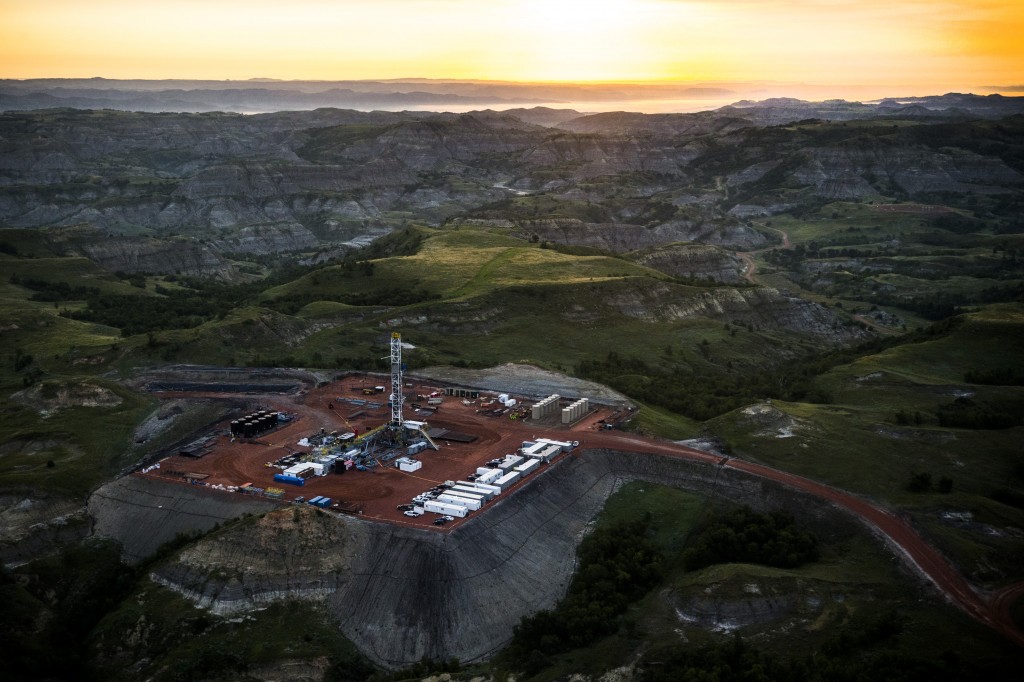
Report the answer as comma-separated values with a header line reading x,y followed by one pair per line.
x,y
375,493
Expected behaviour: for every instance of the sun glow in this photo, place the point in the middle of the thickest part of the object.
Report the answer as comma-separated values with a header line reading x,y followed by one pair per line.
x,y
872,41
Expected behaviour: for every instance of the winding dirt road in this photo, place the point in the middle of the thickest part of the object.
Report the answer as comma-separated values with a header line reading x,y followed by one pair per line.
x,y
993,611
748,256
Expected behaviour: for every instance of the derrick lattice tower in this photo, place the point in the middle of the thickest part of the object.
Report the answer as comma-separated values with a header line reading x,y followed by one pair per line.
x,y
397,397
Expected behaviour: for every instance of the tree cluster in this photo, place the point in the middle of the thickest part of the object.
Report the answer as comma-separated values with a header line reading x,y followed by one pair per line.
x,y
747,536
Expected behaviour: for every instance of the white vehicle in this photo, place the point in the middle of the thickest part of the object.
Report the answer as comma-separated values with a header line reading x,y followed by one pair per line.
x,y
414,513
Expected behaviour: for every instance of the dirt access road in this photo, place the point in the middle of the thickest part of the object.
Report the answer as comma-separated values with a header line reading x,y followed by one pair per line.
x,y
377,492
748,256
993,611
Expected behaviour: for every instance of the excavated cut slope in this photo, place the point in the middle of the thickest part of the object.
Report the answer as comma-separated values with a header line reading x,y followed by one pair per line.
x,y
399,593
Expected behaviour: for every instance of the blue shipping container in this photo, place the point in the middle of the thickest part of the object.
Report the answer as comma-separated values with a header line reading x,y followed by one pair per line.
x,y
315,500
293,480
324,502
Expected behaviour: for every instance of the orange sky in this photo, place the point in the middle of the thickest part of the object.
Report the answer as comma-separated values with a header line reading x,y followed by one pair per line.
x,y
963,43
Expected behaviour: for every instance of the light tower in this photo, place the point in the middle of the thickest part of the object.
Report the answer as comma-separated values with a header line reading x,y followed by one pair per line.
x,y
397,397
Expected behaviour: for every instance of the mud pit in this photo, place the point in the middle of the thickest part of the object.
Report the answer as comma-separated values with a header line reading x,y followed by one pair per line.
x,y
375,493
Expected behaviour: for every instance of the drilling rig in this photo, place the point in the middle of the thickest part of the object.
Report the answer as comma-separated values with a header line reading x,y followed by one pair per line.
x,y
397,396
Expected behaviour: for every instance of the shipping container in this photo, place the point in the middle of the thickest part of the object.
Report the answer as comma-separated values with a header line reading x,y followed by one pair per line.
x,y
315,500
293,480
324,502
437,507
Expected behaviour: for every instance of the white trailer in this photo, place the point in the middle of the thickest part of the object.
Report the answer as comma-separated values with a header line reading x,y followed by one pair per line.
x,y
472,490
510,463
489,476
547,454
486,488
473,487
527,468
438,507
565,445
507,480
466,491
471,505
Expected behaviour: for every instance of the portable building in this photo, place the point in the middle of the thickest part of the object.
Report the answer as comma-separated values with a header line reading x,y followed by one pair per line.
x,y
510,463
488,488
463,488
528,467
293,480
438,507
489,476
406,464
470,490
468,503
565,445
508,479
548,453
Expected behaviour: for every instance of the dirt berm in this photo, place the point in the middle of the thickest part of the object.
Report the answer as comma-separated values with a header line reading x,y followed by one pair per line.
x,y
401,594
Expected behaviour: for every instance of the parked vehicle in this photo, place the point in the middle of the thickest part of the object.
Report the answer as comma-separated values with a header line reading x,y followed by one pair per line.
x,y
413,513
440,521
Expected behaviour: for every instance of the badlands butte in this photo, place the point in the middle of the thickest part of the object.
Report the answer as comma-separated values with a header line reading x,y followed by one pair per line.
x,y
809,309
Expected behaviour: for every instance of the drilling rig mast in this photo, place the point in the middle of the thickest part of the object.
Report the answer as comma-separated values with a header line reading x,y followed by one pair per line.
x,y
397,397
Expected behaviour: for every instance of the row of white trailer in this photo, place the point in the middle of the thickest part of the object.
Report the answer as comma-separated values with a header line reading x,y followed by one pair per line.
x,y
459,498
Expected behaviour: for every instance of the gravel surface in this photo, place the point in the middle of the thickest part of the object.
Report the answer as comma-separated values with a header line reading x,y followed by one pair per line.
x,y
526,380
